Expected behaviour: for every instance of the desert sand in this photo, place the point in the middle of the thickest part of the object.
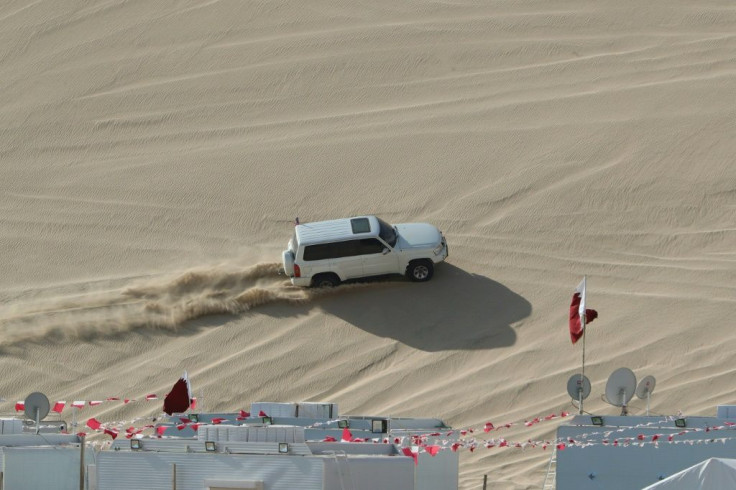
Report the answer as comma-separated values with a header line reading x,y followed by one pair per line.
x,y
155,155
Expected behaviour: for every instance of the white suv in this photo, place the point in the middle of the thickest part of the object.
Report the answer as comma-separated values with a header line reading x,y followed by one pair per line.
x,y
325,253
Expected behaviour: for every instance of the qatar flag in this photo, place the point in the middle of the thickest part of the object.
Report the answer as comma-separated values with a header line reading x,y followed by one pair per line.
x,y
347,436
432,450
59,407
111,432
179,399
578,312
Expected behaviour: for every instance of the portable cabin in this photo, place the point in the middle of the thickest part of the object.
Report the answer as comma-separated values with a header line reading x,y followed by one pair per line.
x,y
632,452
46,460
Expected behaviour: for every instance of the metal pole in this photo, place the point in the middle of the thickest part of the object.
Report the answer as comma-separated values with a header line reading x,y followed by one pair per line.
x,y
582,324
173,476
81,464
580,396
38,419
485,481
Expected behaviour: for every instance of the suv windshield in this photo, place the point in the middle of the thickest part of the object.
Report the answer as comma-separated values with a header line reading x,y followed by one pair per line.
x,y
387,233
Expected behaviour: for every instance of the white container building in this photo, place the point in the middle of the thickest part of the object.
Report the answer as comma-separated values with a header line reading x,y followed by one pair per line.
x,y
39,461
272,457
632,452
284,450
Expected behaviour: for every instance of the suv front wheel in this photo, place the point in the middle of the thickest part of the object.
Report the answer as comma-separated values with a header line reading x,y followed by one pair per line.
x,y
420,270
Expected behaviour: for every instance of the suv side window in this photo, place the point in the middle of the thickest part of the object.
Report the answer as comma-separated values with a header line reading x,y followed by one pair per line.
x,y
335,250
344,249
370,246
317,252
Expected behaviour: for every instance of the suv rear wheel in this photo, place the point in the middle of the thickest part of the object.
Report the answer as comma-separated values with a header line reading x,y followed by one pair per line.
x,y
420,270
325,281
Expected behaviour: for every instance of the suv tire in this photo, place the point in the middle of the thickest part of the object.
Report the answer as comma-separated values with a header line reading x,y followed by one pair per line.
x,y
420,270
325,281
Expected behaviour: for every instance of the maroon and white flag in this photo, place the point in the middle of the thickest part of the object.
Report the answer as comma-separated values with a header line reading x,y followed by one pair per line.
x,y
347,436
179,399
579,315
59,406
111,432
408,452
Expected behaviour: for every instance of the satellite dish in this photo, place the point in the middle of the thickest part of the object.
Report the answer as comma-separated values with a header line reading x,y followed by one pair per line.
x,y
646,387
620,388
578,387
36,407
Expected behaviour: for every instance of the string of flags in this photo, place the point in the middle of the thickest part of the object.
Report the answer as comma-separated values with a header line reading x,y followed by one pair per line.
x,y
433,443
470,438
60,406
179,399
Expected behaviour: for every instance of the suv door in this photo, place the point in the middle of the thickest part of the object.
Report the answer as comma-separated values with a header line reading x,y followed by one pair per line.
x,y
345,259
375,262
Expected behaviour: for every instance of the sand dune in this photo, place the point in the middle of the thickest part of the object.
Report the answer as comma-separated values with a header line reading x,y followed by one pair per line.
x,y
154,156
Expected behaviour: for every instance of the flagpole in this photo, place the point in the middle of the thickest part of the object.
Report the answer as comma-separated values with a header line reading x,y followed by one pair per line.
x,y
582,373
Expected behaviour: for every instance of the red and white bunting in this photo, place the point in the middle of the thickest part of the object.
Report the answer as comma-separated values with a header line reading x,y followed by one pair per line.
x,y
61,405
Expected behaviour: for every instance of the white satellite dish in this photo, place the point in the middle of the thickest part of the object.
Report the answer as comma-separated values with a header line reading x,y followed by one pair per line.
x,y
36,407
620,388
578,387
645,389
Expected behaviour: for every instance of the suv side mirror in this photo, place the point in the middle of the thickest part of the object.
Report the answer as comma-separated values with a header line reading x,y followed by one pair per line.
x,y
385,250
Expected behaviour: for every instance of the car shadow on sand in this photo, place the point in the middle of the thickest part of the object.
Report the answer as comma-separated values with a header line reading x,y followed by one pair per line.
x,y
456,310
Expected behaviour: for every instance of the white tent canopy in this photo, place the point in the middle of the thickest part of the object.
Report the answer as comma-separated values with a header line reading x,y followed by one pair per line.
x,y
711,474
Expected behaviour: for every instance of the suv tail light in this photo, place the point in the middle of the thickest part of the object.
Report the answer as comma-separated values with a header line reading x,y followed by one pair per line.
x,y
297,271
